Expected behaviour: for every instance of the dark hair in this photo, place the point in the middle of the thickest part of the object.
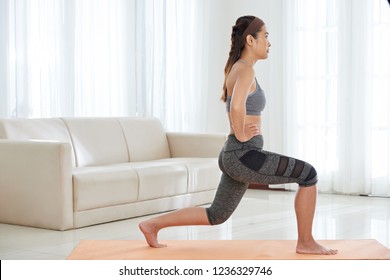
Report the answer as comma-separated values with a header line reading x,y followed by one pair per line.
x,y
245,25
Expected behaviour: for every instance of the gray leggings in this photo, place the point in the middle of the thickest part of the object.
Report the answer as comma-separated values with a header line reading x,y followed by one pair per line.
x,y
247,162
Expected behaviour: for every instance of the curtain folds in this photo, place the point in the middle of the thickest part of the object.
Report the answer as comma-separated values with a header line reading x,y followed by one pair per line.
x,y
103,58
337,94
170,60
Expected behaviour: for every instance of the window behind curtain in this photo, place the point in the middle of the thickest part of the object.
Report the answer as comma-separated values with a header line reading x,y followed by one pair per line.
x,y
379,85
337,92
170,62
103,58
316,76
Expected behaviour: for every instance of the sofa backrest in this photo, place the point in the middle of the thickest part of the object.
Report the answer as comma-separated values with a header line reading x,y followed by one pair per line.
x,y
52,129
146,139
97,141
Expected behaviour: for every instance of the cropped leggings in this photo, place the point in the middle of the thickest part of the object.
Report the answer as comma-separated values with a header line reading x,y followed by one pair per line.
x,y
242,163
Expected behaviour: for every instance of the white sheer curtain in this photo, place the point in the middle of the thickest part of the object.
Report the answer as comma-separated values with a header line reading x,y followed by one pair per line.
x,y
103,58
171,62
102,55
337,92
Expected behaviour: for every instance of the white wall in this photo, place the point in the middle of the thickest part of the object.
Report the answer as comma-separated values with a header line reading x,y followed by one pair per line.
x,y
269,72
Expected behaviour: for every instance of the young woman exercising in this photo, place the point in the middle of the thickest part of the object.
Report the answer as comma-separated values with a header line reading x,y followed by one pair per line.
x,y
242,159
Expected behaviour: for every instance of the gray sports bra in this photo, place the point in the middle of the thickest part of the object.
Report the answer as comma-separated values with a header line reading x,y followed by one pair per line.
x,y
255,103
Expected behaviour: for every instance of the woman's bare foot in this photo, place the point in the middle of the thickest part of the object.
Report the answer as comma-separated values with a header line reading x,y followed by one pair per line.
x,y
312,247
150,230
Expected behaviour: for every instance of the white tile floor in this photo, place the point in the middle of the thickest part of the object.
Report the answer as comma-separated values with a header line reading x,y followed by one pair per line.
x,y
261,215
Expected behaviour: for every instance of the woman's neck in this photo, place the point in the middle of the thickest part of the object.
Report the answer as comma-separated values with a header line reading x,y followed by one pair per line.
x,y
247,60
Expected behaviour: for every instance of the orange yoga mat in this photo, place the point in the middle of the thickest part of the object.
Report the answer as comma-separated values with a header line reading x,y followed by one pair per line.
x,y
368,249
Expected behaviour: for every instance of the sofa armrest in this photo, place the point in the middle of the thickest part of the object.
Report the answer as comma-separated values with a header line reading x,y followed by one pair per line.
x,y
195,144
36,184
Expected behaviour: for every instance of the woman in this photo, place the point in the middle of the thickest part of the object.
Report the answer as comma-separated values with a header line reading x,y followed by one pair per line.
x,y
242,159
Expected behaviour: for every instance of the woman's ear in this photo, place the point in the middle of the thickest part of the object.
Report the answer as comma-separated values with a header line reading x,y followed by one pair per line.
x,y
249,40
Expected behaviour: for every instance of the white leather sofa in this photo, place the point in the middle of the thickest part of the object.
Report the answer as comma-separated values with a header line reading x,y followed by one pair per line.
x,y
64,173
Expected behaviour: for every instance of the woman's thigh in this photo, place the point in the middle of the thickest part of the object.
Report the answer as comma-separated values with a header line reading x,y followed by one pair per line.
x,y
264,167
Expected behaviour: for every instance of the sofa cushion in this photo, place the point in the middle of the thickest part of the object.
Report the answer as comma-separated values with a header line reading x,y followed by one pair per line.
x,y
160,179
146,138
35,129
97,141
96,187
203,173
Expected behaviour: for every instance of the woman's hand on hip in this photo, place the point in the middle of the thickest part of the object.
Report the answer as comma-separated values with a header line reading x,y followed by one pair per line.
x,y
251,130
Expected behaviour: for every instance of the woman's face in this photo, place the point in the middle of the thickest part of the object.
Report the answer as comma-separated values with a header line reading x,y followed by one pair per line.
x,y
262,44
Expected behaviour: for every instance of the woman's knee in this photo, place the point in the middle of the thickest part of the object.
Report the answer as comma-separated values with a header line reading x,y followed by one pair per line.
x,y
310,178
217,216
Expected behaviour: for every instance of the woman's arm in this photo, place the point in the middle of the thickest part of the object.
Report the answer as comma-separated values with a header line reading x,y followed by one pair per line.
x,y
241,90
